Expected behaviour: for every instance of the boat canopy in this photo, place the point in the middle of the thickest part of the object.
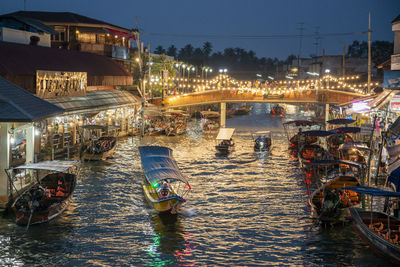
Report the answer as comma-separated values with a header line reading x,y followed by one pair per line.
x,y
320,133
372,191
225,133
347,130
263,132
334,162
341,121
54,165
159,164
351,145
303,123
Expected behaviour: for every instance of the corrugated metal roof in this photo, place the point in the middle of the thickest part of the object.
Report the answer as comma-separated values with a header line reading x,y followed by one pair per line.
x,y
27,59
18,105
40,27
62,17
96,101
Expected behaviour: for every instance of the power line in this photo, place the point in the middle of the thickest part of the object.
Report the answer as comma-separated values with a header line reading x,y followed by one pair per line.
x,y
238,36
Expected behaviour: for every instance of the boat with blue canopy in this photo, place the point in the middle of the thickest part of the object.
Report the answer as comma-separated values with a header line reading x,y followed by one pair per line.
x,y
293,128
341,121
378,229
164,185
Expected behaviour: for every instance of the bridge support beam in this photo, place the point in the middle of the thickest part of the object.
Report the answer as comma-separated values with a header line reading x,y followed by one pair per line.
x,y
326,115
223,115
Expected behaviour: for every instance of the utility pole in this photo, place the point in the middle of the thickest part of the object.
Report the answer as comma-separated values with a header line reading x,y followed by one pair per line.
x,y
301,28
369,52
343,60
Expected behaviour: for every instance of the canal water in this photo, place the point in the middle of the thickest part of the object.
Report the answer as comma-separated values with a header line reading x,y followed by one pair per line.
x,y
246,209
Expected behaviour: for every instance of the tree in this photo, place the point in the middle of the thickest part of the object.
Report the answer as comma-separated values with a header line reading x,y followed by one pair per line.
x,y
381,51
171,51
186,53
207,49
159,50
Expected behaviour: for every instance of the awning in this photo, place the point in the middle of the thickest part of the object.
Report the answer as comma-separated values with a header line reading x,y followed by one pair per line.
x,y
372,191
158,164
54,165
320,133
96,101
382,99
18,105
225,133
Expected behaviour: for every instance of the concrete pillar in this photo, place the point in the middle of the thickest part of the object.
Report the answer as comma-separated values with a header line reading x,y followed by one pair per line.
x,y
223,115
326,115
30,144
4,161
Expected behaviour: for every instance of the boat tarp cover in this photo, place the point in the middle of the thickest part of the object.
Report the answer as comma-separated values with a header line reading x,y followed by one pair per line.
x,y
351,145
158,164
317,133
372,191
394,177
347,130
341,121
334,162
54,165
395,127
225,133
303,123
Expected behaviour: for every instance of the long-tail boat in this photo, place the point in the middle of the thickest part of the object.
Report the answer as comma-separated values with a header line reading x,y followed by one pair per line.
x,y
164,185
100,148
380,230
49,192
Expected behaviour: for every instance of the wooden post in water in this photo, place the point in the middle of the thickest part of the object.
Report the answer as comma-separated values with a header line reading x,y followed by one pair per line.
x,y
223,115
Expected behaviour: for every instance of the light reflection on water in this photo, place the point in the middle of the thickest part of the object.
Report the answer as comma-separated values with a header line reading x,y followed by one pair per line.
x,y
245,209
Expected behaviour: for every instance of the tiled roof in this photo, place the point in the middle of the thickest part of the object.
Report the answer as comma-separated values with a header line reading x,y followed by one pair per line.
x,y
23,59
62,17
397,19
18,105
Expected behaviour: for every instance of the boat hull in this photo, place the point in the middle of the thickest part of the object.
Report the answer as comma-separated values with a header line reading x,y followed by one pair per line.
x,y
49,206
87,155
375,241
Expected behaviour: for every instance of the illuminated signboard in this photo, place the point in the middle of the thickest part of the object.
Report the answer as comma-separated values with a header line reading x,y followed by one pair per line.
x,y
395,103
56,84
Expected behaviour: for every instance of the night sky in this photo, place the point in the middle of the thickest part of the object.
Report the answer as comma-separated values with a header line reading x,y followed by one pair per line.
x,y
187,21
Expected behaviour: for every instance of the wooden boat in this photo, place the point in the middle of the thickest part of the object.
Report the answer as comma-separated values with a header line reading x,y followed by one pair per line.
x,y
379,230
262,142
99,148
277,111
340,136
161,174
225,143
242,110
293,128
50,192
176,123
210,121
358,152
330,204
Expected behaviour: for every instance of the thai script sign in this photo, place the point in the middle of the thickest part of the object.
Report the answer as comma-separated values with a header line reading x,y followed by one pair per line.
x,y
56,84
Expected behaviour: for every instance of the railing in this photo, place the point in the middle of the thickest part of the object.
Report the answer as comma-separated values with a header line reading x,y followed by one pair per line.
x,y
240,95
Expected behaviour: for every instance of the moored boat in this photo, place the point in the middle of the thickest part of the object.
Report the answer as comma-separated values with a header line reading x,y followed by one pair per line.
x,y
277,111
164,185
51,190
99,148
210,121
379,230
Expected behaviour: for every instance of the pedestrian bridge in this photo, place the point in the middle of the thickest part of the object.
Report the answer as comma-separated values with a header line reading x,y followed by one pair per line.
x,y
325,96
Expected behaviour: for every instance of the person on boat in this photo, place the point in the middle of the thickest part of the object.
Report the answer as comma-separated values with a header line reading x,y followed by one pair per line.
x,y
164,189
61,191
